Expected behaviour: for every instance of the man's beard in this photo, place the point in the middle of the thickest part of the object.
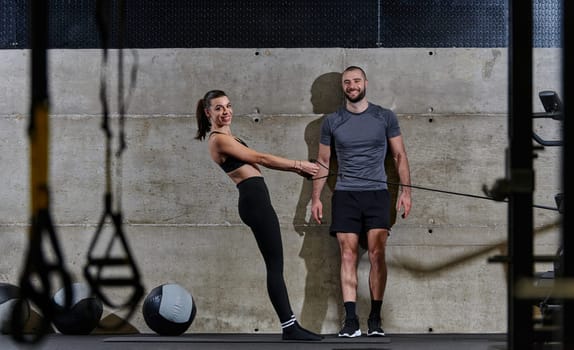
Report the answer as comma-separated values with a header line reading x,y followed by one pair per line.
x,y
359,97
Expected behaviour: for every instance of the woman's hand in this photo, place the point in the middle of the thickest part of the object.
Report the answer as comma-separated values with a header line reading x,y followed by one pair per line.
x,y
305,168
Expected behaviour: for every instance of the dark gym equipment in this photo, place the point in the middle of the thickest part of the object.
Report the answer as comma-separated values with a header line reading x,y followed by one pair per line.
x,y
114,254
40,269
83,316
169,309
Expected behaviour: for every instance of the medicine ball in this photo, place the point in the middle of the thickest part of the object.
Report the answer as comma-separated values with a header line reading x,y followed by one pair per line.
x,y
169,309
9,298
84,314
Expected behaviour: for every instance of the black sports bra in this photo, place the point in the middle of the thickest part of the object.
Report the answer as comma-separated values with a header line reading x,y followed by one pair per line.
x,y
231,163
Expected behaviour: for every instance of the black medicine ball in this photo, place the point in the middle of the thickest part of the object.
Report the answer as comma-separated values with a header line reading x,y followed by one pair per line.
x,y
84,314
9,298
169,309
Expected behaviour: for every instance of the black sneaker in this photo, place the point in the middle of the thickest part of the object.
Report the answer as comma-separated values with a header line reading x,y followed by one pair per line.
x,y
375,329
350,328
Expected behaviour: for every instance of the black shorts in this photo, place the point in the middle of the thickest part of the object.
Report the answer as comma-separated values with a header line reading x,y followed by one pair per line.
x,y
360,211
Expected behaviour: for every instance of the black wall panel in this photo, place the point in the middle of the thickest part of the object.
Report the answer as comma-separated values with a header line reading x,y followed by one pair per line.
x,y
286,23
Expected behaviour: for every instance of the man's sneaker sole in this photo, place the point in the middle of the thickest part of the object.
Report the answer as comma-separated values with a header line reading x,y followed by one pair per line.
x,y
347,335
375,333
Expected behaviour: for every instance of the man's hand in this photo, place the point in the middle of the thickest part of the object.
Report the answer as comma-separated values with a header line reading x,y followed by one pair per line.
x,y
317,210
404,202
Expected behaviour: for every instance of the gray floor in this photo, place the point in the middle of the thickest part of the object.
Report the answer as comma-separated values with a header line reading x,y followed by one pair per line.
x,y
263,341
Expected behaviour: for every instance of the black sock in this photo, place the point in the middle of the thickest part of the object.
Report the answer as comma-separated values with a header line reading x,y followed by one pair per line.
x,y
376,306
350,309
293,331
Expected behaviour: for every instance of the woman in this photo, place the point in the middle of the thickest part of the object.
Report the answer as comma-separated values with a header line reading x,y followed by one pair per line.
x,y
241,163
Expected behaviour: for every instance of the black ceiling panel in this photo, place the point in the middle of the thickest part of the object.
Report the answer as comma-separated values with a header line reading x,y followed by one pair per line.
x,y
288,23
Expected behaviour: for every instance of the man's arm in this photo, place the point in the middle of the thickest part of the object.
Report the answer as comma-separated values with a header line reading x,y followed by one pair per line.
x,y
323,157
397,148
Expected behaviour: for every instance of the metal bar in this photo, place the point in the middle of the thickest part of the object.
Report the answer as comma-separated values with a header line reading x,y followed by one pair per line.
x,y
520,172
567,173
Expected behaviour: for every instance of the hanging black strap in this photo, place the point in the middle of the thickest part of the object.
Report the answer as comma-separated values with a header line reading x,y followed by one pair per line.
x,y
102,267
40,269
101,270
37,277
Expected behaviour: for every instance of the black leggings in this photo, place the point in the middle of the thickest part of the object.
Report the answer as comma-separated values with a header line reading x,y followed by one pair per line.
x,y
256,211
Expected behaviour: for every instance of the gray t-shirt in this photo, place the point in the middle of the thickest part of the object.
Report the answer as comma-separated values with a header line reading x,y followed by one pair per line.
x,y
360,142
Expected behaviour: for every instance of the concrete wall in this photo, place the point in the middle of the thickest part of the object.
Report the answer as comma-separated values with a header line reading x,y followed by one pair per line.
x,y
180,209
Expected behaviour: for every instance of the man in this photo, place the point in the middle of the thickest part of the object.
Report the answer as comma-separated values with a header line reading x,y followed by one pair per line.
x,y
361,133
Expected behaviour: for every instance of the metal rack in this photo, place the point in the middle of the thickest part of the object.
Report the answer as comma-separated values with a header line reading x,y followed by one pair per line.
x,y
520,180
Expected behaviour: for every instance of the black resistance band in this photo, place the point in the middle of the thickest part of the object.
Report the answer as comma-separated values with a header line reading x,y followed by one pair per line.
x,y
490,197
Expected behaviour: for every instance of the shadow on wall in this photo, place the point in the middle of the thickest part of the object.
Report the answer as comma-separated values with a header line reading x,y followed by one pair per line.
x,y
320,251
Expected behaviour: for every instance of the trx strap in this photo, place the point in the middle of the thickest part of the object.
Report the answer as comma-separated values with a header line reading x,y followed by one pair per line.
x,y
40,269
101,270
